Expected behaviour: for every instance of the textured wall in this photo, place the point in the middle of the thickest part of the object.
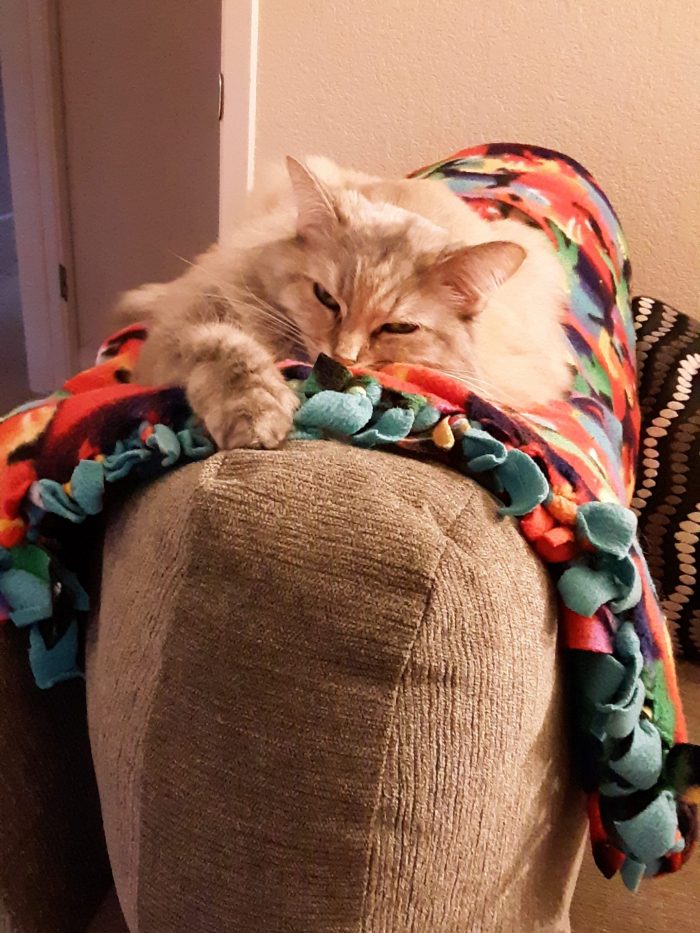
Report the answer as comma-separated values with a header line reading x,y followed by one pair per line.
x,y
390,84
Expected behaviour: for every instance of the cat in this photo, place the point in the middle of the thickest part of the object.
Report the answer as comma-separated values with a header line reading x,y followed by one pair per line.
x,y
369,271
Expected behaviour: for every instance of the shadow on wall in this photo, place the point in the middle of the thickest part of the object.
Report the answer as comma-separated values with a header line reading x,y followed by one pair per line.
x,y
14,385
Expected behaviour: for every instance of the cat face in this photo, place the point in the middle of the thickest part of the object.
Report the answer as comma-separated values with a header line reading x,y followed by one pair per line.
x,y
370,283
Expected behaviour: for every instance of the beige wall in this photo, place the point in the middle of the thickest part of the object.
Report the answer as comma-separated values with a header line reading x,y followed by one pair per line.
x,y
391,84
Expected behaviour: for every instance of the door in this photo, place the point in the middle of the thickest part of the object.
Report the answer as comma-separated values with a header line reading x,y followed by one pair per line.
x,y
141,102
112,115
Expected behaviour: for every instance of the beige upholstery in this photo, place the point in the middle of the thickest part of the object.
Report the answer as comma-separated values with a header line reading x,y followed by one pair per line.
x,y
323,695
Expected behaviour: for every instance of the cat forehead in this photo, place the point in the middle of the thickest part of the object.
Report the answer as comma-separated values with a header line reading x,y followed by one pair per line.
x,y
376,283
379,219
380,270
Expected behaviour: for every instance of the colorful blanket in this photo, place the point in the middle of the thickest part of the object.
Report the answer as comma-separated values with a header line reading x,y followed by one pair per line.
x,y
566,472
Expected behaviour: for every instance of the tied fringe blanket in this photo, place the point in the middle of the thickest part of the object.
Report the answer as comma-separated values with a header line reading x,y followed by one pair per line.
x,y
565,472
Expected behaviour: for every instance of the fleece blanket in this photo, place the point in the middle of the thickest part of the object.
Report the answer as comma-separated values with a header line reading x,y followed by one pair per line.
x,y
565,472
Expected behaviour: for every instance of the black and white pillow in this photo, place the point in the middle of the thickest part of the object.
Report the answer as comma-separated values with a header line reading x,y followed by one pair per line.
x,y
667,498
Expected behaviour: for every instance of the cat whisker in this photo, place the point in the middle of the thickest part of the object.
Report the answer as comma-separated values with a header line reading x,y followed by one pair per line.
x,y
482,386
479,385
265,307
243,304
248,296
271,311
191,263
463,376
276,322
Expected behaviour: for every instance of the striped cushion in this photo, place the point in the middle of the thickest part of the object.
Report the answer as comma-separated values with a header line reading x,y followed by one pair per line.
x,y
667,497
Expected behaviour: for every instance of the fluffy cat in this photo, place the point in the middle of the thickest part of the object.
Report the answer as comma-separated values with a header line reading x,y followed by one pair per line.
x,y
366,270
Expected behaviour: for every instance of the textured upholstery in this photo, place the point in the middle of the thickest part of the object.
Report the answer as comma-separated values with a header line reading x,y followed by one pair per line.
x,y
323,695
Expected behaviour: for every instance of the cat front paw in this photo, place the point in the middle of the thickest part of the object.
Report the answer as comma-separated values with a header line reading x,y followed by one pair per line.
x,y
260,419
255,413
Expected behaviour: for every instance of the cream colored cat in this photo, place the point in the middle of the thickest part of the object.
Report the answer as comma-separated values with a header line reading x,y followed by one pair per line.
x,y
366,270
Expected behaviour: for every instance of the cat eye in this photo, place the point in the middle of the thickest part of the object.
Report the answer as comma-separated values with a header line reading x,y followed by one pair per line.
x,y
326,298
399,327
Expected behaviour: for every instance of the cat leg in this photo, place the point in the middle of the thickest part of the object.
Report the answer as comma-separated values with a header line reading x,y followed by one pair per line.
x,y
230,379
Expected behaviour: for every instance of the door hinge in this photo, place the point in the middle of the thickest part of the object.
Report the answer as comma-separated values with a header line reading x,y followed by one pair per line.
x,y
221,96
63,281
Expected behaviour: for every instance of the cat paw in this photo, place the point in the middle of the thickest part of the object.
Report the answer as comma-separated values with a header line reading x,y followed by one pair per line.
x,y
258,413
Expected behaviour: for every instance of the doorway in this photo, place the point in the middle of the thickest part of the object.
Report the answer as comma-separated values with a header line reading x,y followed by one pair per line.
x,y
14,384
112,116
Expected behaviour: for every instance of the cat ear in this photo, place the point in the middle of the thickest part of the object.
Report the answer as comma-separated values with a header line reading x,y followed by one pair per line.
x,y
315,213
472,273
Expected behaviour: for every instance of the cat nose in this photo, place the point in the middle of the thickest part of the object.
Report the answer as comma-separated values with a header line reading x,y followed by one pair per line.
x,y
348,349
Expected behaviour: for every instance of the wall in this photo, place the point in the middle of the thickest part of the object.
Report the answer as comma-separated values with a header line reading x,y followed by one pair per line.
x,y
140,85
387,85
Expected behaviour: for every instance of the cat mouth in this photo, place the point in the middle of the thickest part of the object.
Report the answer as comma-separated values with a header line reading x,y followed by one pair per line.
x,y
366,365
378,364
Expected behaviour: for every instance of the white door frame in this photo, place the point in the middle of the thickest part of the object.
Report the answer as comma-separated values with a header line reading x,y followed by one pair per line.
x,y
31,77
239,71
